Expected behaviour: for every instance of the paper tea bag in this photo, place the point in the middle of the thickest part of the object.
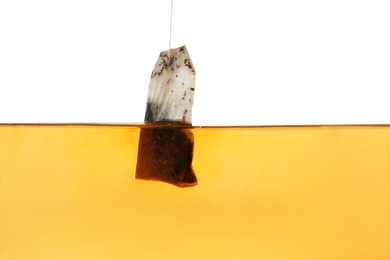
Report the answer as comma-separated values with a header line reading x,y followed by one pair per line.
x,y
166,143
171,88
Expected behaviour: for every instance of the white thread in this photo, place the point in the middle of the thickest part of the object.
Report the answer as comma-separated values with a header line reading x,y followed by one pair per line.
x,y
170,26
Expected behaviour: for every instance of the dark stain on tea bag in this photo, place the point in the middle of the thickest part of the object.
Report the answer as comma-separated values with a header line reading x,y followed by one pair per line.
x,y
165,154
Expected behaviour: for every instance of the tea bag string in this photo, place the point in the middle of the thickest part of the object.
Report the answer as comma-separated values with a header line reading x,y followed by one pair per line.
x,y
170,27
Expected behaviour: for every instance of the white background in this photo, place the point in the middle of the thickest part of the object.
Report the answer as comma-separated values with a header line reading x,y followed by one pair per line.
x,y
257,62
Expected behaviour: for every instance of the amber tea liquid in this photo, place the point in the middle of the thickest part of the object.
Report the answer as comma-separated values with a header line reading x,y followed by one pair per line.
x,y
321,192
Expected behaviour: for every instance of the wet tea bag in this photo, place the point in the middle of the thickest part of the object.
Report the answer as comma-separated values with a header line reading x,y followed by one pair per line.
x,y
166,143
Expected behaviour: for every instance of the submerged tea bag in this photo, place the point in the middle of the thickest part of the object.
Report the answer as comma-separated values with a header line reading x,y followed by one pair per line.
x,y
166,144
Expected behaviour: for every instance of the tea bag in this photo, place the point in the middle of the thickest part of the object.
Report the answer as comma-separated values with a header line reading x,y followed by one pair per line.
x,y
171,88
166,144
